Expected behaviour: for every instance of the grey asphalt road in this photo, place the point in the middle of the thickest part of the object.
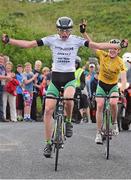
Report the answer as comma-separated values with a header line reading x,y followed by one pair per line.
x,y
21,154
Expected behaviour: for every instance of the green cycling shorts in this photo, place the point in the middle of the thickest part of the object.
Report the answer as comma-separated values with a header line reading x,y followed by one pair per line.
x,y
52,90
100,91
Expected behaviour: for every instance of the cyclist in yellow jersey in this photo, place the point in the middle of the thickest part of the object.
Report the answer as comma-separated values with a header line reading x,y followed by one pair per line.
x,y
111,66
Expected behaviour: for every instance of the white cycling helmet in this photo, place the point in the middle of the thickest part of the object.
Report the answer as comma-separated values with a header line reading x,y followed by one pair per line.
x,y
64,23
115,41
127,57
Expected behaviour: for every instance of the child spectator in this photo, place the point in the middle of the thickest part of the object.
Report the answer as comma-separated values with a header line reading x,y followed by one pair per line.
x,y
19,97
28,78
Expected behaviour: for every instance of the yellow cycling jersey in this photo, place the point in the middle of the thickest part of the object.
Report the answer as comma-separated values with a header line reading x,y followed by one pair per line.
x,y
109,68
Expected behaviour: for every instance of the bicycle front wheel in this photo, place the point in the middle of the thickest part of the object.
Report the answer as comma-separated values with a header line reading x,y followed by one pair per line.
x,y
108,116
57,155
58,139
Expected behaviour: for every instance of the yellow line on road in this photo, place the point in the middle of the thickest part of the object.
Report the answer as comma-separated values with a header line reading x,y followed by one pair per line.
x,y
9,144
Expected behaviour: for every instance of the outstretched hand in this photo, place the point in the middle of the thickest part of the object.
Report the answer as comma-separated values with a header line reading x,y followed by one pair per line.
x,y
5,38
83,26
124,43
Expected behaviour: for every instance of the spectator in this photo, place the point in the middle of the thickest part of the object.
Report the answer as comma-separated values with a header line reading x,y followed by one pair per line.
x,y
19,90
3,77
90,77
7,59
44,85
37,69
93,83
78,112
9,94
28,78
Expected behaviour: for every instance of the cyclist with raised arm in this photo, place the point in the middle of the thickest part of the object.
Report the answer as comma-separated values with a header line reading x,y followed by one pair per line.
x,y
111,66
64,47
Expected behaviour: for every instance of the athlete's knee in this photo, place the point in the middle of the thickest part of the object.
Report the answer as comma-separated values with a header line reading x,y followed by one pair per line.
x,y
113,104
69,104
100,106
48,111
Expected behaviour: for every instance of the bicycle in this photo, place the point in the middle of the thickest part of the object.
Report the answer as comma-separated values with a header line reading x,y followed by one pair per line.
x,y
58,135
106,129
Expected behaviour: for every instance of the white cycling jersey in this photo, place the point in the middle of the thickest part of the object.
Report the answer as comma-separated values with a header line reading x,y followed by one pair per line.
x,y
63,52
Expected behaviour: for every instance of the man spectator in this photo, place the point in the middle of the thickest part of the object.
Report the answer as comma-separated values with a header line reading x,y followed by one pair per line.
x,y
81,109
37,69
3,77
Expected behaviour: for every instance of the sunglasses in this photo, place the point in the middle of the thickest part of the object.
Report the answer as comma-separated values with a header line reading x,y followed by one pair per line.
x,y
65,30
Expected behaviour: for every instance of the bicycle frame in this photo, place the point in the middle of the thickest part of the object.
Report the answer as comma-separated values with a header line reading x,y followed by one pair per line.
x,y
58,136
107,122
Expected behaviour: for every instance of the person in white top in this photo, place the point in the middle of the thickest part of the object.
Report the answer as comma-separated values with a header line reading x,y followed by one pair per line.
x,y
64,47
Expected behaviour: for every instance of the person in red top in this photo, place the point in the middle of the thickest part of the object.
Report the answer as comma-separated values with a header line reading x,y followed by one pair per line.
x,y
9,94
11,86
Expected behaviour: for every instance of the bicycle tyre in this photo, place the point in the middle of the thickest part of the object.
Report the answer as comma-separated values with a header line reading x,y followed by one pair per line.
x,y
108,116
58,136
119,117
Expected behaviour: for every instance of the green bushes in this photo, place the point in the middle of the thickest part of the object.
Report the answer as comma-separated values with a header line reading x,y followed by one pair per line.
x,y
24,20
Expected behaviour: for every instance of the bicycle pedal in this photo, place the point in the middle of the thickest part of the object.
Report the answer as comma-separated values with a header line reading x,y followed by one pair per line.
x,y
61,146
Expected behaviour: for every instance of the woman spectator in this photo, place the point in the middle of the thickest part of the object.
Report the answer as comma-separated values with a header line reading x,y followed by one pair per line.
x,y
9,94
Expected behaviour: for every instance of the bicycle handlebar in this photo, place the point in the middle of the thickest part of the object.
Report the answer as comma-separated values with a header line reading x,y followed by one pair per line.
x,y
61,98
107,96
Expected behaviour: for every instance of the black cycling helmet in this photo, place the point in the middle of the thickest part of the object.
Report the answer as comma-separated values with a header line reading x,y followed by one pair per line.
x,y
115,41
78,59
64,23
77,62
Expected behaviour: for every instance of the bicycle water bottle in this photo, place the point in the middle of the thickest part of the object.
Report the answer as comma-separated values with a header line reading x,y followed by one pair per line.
x,y
123,111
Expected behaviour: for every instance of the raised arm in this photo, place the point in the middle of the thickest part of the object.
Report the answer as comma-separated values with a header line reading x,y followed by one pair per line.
x,y
103,45
83,25
21,43
106,45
